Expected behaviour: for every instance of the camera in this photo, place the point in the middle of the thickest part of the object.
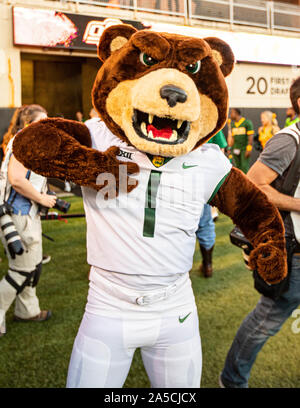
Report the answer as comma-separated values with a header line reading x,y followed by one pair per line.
x,y
238,239
60,205
14,243
273,291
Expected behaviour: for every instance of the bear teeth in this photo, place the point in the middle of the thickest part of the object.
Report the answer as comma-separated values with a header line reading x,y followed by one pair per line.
x,y
179,123
173,138
144,129
150,118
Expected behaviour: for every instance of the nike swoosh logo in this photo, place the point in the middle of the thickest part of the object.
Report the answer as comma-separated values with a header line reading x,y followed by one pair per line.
x,y
184,318
184,166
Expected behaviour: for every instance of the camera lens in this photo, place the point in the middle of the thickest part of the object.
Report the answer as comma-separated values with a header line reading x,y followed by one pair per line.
x,y
62,205
14,243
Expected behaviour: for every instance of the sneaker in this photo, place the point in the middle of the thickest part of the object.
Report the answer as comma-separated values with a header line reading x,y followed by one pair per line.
x,y
46,259
41,317
222,385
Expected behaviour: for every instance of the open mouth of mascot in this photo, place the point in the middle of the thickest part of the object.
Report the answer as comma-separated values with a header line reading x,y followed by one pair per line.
x,y
160,129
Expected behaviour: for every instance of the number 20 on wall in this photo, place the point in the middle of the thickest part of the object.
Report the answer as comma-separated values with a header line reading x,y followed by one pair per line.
x,y
257,86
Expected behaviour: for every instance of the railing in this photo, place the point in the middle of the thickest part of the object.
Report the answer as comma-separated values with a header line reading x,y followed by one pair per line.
x,y
254,13
286,18
169,7
258,13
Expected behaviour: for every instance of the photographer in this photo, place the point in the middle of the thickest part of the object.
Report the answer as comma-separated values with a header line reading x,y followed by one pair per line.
x,y
277,173
22,192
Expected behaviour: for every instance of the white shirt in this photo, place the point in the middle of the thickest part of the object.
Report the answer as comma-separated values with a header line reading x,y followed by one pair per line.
x,y
125,237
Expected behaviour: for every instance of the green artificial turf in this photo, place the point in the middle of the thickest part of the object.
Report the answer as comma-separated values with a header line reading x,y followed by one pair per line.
x,y
36,355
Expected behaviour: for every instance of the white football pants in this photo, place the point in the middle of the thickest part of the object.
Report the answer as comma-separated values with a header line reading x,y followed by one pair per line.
x,y
115,325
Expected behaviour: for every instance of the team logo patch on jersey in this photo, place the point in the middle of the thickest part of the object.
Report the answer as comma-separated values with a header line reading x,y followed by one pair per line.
x,y
158,161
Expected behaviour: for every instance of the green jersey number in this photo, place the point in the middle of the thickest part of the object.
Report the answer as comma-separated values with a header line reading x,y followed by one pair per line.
x,y
150,203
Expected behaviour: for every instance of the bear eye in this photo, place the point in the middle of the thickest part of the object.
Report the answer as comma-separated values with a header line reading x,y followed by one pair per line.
x,y
194,68
147,60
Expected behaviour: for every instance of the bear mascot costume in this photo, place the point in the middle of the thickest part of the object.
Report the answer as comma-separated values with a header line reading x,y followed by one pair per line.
x,y
146,172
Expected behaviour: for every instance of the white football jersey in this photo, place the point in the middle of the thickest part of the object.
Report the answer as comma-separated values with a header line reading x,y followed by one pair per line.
x,y
151,231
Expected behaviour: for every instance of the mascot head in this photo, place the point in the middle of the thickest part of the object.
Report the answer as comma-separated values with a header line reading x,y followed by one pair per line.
x,y
165,94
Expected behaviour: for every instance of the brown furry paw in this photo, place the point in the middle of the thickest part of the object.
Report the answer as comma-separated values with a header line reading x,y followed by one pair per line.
x,y
116,178
121,170
270,262
267,236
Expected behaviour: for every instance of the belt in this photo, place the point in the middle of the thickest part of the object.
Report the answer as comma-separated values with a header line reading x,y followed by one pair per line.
x,y
157,296
146,298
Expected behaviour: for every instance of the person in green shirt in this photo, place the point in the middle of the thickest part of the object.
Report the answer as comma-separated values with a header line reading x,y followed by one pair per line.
x,y
291,117
240,138
219,139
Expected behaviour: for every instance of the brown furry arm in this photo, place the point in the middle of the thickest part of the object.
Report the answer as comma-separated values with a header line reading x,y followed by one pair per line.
x,y
61,149
260,222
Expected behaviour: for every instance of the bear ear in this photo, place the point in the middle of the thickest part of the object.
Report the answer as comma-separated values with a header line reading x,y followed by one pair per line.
x,y
222,53
113,38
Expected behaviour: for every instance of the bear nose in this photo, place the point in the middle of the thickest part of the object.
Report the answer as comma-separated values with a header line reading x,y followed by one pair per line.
x,y
173,94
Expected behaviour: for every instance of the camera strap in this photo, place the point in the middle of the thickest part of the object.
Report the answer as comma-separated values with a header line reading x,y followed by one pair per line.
x,y
27,282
